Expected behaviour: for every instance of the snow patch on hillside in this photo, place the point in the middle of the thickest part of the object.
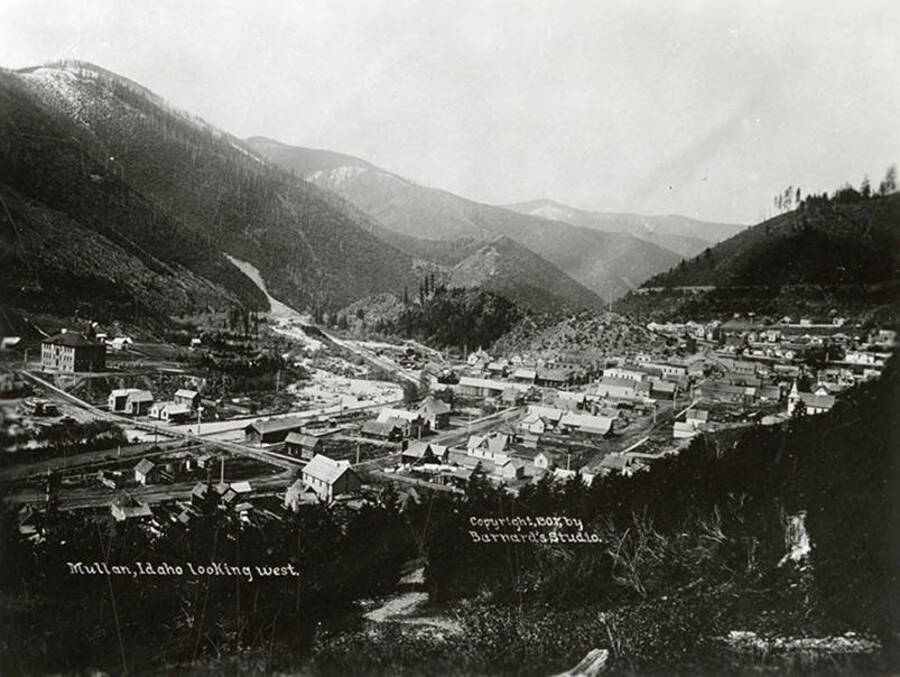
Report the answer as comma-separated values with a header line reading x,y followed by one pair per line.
x,y
335,176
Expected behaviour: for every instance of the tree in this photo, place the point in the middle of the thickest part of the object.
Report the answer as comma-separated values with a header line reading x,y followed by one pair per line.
x,y
889,184
865,188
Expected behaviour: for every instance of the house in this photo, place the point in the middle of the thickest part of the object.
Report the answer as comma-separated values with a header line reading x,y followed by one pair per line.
x,y
298,494
586,424
478,357
304,446
435,413
145,471
544,460
170,411
126,507
512,469
71,352
498,368
554,378
662,390
411,422
189,397
273,430
512,397
813,404
390,431
138,402
524,375
697,417
684,430
470,386
616,387
615,463
329,478
624,373
492,447
533,424
118,397
424,452
199,494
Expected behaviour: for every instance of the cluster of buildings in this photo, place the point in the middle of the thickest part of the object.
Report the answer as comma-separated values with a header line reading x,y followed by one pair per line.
x,y
139,402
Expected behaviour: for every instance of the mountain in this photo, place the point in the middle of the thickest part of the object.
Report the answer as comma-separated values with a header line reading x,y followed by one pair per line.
x,y
606,263
824,242
826,258
684,236
175,193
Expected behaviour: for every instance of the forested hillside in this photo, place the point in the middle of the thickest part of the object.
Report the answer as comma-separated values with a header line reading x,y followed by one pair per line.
x,y
822,242
606,263
207,193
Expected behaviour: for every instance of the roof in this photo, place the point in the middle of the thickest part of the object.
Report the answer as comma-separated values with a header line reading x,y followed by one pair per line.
x,y
434,406
144,466
524,372
587,422
302,440
140,396
512,394
380,427
122,392
73,339
423,449
489,384
614,462
617,382
389,413
185,392
276,424
551,413
698,415
493,442
817,401
326,469
554,374
200,490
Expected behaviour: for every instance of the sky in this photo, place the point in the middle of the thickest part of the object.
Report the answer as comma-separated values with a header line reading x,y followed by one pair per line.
x,y
705,109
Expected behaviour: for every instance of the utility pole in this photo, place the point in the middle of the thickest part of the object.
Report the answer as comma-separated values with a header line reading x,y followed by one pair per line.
x,y
357,453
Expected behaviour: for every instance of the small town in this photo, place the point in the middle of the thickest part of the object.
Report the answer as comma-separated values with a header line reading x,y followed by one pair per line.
x,y
129,432
382,338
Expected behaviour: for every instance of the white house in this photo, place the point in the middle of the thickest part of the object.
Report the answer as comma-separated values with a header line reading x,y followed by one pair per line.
x,y
329,478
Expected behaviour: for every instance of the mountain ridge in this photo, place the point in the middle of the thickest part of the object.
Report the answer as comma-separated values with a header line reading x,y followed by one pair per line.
x,y
605,263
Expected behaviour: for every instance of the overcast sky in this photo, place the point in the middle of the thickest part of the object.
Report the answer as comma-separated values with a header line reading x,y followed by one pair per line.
x,y
698,108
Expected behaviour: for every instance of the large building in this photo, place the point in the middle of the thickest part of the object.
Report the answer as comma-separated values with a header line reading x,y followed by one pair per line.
x,y
71,352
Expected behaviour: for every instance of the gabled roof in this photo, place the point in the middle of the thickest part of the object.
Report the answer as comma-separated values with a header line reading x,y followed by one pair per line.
x,y
122,392
303,440
434,406
380,427
549,413
388,413
326,469
524,372
493,442
817,401
140,396
698,415
71,338
144,466
587,422
185,392
424,449
277,424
